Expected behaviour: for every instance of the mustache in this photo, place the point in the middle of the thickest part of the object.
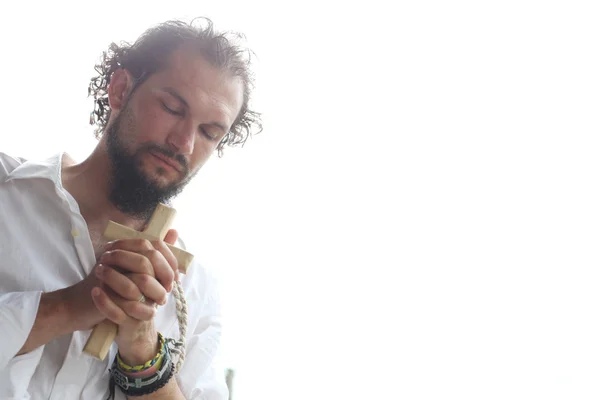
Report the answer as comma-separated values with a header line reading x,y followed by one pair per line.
x,y
167,153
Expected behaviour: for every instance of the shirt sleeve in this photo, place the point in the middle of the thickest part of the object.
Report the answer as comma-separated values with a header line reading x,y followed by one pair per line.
x,y
17,315
202,376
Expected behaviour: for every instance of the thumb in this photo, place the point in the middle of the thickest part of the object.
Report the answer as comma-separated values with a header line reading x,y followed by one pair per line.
x,y
171,236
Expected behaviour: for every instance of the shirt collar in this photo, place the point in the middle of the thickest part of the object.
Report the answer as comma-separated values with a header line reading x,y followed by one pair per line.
x,y
48,169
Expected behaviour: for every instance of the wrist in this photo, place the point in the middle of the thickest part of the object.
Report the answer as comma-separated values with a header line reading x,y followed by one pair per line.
x,y
150,379
140,351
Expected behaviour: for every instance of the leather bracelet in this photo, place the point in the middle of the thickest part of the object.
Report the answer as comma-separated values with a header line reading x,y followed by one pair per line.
x,y
157,385
139,386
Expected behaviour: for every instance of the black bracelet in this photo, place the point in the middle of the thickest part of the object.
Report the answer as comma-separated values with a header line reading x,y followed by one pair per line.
x,y
159,384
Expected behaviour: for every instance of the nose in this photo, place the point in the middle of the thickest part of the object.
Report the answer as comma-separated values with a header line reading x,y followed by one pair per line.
x,y
182,138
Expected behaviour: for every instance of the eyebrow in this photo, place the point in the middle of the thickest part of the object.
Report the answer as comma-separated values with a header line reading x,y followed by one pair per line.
x,y
174,93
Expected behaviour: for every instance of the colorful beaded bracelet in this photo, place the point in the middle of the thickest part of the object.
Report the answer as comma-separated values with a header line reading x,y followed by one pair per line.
x,y
138,368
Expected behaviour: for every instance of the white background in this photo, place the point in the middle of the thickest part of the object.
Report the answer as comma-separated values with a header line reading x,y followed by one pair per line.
x,y
420,217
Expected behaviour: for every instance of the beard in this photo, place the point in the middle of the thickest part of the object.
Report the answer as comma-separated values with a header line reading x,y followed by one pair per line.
x,y
131,190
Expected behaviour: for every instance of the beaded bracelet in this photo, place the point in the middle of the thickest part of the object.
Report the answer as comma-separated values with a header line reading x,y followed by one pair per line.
x,y
147,372
139,368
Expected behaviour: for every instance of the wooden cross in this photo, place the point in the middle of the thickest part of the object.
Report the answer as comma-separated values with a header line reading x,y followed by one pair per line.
x,y
104,333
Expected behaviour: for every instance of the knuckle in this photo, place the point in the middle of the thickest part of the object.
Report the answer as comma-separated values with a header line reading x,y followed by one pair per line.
x,y
148,315
147,267
154,256
120,318
139,244
115,256
144,280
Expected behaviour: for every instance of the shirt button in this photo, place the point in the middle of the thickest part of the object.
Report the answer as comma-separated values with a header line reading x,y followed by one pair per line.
x,y
75,232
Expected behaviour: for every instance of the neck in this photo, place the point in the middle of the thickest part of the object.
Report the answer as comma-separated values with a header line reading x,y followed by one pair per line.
x,y
88,182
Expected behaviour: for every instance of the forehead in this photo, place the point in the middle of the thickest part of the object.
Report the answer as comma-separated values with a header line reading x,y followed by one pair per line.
x,y
203,86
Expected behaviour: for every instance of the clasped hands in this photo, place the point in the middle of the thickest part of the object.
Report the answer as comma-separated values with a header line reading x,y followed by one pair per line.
x,y
130,280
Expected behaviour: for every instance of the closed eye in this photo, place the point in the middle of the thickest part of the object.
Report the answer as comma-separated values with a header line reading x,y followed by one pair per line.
x,y
208,134
170,110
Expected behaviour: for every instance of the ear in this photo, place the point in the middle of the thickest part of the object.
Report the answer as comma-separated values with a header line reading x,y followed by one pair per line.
x,y
119,88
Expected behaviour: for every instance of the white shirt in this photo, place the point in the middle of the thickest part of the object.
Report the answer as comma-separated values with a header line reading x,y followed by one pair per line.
x,y
45,246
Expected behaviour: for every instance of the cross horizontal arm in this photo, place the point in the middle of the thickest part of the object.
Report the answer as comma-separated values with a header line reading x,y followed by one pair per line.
x,y
115,231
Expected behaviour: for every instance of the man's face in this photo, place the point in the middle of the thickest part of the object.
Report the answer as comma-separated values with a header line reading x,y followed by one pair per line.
x,y
168,129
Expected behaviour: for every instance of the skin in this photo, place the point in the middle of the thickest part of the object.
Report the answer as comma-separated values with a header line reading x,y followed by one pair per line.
x,y
187,107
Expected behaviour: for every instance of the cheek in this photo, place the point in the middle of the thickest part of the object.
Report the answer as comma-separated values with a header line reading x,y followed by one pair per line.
x,y
151,122
203,149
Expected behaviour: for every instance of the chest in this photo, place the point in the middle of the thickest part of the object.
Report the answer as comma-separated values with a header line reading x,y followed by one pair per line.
x,y
97,240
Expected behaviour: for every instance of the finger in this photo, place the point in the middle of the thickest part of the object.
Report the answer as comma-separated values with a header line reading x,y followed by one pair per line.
x,y
143,246
107,307
163,271
171,236
135,245
170,258
126,254
138,310
150,287
128,261
119,310
122,253
121,284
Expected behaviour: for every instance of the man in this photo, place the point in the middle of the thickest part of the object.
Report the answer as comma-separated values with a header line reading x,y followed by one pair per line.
x,y
163,105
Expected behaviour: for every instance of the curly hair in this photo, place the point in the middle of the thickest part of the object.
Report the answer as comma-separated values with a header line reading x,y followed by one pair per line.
x,y
149,54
